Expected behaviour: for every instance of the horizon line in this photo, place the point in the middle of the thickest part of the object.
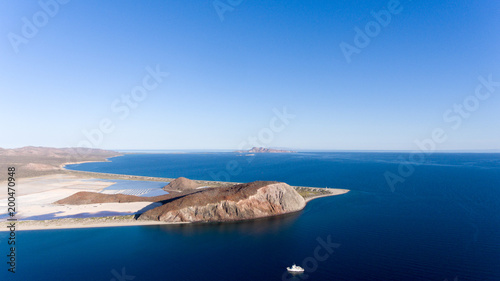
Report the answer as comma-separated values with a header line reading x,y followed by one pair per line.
x,y
282,148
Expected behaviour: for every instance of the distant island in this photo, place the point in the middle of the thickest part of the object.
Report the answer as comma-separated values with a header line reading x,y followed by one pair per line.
x,y
265,150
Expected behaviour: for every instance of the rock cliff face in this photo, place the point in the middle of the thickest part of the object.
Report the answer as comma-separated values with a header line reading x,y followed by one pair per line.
x,y
239,202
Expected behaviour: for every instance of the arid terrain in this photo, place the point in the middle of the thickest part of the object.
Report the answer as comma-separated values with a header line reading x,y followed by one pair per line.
x,y
31,161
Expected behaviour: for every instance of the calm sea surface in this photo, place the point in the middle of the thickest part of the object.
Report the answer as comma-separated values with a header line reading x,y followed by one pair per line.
x,y
439,221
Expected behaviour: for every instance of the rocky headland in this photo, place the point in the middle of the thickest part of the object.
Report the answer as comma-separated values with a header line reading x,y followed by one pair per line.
x,y
239,202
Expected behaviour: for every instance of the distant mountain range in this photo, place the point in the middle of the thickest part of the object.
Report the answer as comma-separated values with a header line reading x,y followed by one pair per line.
x,y
32,161
78,153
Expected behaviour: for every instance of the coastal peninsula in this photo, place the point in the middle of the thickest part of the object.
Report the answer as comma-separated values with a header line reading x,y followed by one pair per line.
x,y
60,198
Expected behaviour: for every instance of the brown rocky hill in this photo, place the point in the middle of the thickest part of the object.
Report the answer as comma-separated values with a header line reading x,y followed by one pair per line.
x,y
86,197
181,183
239,202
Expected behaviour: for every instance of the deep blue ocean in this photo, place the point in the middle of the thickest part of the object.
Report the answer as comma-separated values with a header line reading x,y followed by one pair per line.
x,y
438,218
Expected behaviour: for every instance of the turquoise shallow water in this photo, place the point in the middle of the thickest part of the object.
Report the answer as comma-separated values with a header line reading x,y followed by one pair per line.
x,y
442,222
138,188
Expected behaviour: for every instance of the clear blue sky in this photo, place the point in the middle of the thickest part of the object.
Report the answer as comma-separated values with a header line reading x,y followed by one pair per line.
x,y
229,70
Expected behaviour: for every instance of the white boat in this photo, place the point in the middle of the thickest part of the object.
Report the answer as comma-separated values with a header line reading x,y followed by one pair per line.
x,y
295,268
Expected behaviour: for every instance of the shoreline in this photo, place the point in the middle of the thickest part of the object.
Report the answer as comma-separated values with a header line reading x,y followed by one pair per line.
x,y
74,223
138,178
63,165
335,192
308,193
